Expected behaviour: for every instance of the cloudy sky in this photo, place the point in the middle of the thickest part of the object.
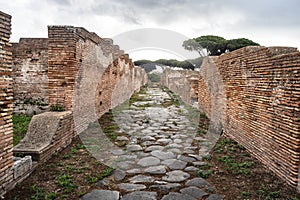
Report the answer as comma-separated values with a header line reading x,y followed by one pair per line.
x,y
268,22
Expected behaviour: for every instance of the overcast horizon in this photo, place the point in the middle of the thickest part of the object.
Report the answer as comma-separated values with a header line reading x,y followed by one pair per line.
x,y
270,23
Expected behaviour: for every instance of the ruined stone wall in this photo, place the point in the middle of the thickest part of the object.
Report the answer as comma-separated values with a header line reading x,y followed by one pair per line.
x,y
182,82
30,75
262,101
84,70
6,106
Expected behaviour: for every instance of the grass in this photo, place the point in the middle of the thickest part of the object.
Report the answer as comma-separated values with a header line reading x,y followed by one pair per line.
x,y
20,125
40,194
103,174
65,181
204,173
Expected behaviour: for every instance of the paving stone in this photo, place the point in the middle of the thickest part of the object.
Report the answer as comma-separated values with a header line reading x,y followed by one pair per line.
x,y
101,194
163,155
148,161
154,148
122,138
131,186
134,147
117,152
160,169
215,197
187,151
191,169
194,192
178,141
148,138
174,145
174,164
176,176
165,188
141,179
128,157
199,182
124,165
149,143
140,195
164,141
177,151
186,158
119,175
134,171
103,182
177,196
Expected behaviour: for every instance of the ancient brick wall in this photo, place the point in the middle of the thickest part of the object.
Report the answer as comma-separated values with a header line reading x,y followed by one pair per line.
x,y
84,70
62,65
262,101
182,82
30,75
6,106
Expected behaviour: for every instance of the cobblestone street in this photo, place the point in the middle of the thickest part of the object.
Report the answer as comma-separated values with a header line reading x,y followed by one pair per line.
x,y
162,155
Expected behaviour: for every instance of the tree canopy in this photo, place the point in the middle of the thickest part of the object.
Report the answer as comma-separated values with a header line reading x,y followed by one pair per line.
x,y
186,64
216,45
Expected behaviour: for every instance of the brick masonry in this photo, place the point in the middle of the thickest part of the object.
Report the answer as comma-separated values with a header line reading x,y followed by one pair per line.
x,y
260,104
30,75
81,66
6,104
67,68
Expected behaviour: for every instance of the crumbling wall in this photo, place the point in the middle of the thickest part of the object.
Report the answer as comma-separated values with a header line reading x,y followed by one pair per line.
x,y
262,98
182,82
30,75
6,106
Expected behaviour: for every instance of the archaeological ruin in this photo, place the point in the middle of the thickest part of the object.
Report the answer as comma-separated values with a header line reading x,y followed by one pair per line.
x,y
251,95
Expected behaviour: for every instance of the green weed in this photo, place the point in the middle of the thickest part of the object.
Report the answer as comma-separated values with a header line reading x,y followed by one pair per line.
x,y
20,125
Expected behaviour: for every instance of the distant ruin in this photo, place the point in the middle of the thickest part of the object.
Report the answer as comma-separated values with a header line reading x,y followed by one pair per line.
x,y
251,94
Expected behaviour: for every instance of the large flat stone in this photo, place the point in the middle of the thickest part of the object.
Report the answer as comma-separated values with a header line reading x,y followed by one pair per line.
x,y
148,161
101,194
131,187
164,141
134,147
176,176
191,169
140,195
174,164
165,188
119,175
160,169
199,182
177,196
194,192
154,148
186,158
163,155
141,179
